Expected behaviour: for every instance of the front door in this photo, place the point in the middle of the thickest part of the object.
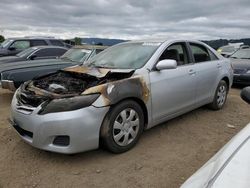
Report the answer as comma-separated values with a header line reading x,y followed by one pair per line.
x,y
173,90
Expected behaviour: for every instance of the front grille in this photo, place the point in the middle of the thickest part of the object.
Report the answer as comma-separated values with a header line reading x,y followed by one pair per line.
x,y
240,71
29,100
23,132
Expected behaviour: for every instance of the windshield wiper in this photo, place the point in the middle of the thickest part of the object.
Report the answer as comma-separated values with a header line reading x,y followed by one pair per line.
x,y
104,67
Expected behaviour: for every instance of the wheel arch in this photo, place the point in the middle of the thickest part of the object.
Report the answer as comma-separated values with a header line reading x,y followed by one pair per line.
x,y
138,101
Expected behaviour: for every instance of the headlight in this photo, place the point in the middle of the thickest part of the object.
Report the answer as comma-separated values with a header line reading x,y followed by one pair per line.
x,y
68,104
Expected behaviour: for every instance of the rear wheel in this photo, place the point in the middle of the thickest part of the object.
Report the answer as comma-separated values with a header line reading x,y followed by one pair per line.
x,y
122,126
220,96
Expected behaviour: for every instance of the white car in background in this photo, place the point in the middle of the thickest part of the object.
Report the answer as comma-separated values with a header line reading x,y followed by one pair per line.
x,y
230,167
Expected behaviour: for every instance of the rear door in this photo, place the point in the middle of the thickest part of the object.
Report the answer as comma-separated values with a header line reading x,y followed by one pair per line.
x,y
207,67
173,90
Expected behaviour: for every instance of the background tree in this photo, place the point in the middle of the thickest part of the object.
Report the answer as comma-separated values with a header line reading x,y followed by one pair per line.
x,y
78,41
1,38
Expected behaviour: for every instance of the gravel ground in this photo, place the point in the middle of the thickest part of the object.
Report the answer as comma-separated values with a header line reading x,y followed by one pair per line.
x,y
165,156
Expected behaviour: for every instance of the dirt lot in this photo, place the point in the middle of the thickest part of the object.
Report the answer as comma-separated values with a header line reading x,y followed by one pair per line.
x,y
165,156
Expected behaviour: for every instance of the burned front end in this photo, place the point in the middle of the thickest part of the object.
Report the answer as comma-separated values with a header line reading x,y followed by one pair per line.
x,y
63,111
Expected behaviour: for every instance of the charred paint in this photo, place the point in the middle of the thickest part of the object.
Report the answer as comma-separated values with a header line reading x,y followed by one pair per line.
x,y
116,91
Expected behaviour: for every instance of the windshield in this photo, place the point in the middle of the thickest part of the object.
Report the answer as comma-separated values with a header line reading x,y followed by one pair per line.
x,y
78,55
228,49
124,56
6,43
26,52
242,54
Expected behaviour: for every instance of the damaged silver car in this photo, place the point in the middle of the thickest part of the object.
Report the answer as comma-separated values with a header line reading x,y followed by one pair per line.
x,y
117,94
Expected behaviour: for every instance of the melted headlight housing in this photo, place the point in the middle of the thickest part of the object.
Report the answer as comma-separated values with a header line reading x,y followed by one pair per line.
x,y
68,104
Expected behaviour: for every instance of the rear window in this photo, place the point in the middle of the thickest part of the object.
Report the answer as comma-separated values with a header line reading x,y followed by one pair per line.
x,y
56,42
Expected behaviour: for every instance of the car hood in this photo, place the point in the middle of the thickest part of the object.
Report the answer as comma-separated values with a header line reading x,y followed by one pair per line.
x,y
34,63
96,72
240,63
9,59
209,174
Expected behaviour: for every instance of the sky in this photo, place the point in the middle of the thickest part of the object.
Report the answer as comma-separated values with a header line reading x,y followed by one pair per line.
x,y
126,19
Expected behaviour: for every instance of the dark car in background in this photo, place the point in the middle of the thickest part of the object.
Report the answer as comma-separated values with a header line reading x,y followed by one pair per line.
x,y
13,46
34,53
12,75
241,66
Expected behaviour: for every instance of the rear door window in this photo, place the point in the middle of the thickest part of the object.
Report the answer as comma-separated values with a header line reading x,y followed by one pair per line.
x,y
38,43
50,52
200,53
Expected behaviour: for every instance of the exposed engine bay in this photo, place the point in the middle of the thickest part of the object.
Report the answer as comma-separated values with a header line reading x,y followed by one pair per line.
x,y
66,82
79,81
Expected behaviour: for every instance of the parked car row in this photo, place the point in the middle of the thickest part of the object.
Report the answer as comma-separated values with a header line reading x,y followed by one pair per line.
x,y
13,46
33,53
118,93
15,72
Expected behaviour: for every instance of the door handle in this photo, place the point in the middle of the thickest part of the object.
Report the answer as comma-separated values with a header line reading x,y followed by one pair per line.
x,y
191,72
219,65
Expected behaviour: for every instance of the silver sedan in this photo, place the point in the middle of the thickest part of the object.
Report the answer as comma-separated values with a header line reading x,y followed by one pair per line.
x,y
117,94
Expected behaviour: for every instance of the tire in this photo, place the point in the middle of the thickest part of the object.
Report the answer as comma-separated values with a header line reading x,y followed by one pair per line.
x,y
122,126
220,96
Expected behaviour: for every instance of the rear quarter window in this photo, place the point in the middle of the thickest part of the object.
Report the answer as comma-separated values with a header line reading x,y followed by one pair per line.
x,y
56,42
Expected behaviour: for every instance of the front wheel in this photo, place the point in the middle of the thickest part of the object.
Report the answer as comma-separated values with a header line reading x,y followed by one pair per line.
x,y
122,126
220,96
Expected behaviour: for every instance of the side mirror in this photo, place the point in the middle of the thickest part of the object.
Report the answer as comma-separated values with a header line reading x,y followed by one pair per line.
x,y
33,56
166,64
12,48
245,94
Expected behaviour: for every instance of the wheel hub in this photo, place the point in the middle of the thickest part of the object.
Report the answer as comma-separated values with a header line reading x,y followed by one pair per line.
x,y
126,127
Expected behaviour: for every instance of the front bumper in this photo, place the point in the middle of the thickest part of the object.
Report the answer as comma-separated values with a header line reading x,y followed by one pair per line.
x,y
81,126
8,84
241,79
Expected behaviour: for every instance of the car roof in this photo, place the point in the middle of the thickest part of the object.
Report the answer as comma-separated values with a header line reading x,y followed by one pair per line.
x,y
163,40
33,38
49,46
